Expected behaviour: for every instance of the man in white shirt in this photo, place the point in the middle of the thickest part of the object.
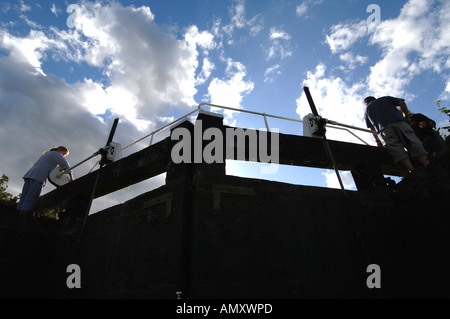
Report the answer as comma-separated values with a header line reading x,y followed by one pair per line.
x,y
37,175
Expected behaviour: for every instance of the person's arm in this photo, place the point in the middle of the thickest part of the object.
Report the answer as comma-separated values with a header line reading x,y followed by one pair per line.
x,y
65,165
375,136
405,110
372,128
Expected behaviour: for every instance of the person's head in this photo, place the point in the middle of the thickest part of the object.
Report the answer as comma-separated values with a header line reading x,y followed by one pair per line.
x,y
369,99
64,151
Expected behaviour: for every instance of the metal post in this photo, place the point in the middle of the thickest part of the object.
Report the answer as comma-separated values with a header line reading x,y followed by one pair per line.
x,y
330,154
265,121
327,145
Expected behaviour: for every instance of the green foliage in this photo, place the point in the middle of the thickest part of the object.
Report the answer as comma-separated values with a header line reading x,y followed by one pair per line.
x,y
6,197
52,213
10,200
444,110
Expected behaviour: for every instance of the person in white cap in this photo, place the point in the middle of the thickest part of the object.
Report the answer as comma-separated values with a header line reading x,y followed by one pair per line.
x,y
36,177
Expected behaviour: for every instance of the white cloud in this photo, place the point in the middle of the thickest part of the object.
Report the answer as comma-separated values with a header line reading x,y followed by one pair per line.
x,y
203,39
146,70
41,112
415,41
255,24
29,50
346,178
337,101
343,36
207,68
239,21
237,13
279,44
55,10
278,34
444,98
155,69
301,9
230,92
29,22
352,61
445,95
268,74
24,7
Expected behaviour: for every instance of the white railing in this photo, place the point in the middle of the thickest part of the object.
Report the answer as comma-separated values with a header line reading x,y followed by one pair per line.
x,y
330,124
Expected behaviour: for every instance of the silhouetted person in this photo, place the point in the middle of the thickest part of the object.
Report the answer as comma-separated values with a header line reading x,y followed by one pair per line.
x,y
383,117
424,128
37,175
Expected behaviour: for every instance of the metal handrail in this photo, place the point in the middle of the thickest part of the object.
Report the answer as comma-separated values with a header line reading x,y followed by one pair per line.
x,y
160,129
199,108
294,120
264,115
251,112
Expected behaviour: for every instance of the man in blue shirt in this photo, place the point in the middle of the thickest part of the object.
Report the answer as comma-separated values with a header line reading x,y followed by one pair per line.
x,y
383,117
37,175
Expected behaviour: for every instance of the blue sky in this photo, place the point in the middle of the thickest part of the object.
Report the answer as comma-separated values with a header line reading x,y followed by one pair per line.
x,y
66,74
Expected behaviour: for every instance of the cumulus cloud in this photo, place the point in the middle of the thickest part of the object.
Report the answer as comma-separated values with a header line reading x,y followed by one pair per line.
x,y
147,73
343,36
207,68
148,70
445,95
230,91
337,101
352,61
417,40
29,50
157,69
39,112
